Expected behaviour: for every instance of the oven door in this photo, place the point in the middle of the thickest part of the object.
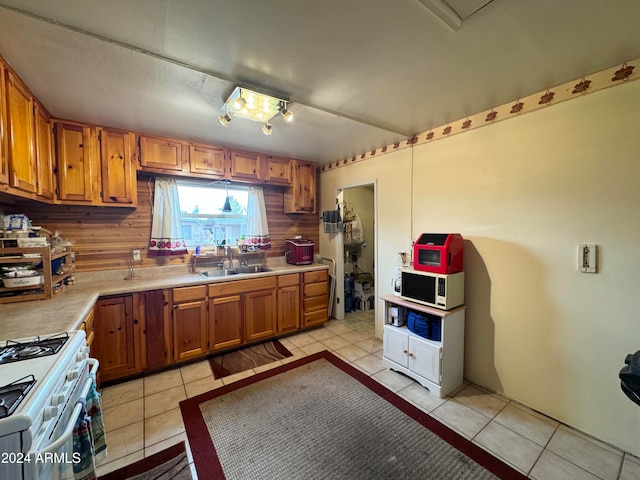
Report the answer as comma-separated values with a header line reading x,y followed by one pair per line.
x,y
52,457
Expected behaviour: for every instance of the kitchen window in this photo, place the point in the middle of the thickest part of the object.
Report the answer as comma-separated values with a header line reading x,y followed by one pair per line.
x,y
203,221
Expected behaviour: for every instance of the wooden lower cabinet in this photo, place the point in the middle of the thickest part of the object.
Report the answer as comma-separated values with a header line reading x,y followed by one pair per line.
x,y
242,311
87,326
260,315
117,336
189,322
225,322
315,298
288,303
156,329
150,330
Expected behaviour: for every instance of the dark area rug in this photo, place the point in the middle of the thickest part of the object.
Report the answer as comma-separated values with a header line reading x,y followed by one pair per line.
x,y
169,464
238,361
320,418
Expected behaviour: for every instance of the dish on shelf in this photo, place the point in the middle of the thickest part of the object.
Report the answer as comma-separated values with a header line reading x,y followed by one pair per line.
x,y
23,281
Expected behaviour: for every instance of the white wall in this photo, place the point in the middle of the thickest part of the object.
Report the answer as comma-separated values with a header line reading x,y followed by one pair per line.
x,y
392,176
523,193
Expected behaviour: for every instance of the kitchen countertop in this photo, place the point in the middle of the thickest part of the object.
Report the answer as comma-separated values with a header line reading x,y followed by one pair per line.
x,y
65,311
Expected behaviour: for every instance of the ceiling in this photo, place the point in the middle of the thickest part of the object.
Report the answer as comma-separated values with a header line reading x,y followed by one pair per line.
x,y
360,74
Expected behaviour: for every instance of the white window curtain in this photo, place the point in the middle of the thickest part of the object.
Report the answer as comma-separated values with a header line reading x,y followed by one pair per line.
x,y
166,229
257,232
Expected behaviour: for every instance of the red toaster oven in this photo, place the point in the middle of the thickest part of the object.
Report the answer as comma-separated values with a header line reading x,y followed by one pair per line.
x,y
299,251
438,253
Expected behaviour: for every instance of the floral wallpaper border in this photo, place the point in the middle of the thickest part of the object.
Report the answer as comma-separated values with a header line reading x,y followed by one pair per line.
x,y
592,83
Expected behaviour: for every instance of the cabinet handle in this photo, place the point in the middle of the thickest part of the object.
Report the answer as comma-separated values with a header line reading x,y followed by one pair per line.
x,y
405,351
412,355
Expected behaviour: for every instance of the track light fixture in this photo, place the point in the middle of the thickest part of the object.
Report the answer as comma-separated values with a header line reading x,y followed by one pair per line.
x,y
252,105
287,115
239,103
225,119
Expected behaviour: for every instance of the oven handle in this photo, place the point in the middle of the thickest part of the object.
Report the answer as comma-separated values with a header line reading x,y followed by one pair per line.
x,y
66,435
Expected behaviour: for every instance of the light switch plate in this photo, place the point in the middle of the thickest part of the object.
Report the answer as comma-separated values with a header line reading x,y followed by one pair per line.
x,y
135,254
587,257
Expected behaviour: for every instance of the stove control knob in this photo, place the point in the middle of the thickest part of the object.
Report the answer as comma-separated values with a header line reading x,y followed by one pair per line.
x,y
72,375
50,412
80,356
57,399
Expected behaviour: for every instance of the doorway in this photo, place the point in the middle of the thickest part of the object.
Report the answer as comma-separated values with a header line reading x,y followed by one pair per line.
x,y
357,254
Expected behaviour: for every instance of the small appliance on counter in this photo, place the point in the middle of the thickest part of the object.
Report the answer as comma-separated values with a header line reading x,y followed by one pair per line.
x,y
397,315
438,253
299,251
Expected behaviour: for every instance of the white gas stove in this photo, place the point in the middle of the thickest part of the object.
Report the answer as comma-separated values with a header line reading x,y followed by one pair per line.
x,y
43,381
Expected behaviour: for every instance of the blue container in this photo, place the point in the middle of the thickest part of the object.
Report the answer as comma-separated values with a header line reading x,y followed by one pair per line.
x,y
426,326
435,329
418,324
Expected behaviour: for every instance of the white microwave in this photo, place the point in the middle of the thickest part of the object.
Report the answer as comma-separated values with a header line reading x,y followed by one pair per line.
x,y
443,291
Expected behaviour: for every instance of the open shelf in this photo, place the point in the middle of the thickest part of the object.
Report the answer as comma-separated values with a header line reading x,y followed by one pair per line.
x,y
42,258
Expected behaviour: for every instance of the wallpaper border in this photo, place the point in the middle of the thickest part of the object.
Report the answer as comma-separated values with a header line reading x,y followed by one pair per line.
x,y
601,80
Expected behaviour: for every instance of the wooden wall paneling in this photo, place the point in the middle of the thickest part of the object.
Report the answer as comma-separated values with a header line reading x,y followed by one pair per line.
x,y
105,236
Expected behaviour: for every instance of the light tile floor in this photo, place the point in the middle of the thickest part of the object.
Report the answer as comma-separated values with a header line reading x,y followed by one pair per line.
x,y
142,416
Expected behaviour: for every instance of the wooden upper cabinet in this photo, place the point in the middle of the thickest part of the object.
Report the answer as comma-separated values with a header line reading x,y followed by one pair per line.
x,y
208,160
246,166
74,145
160,154
117,165
22,159
4,154
44,153
279,171
301,197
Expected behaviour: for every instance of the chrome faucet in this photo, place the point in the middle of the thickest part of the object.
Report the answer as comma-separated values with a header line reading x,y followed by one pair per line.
x,y
230,253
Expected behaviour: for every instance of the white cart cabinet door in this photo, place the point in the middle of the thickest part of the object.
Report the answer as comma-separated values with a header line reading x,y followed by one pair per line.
x,y
425,359
395,345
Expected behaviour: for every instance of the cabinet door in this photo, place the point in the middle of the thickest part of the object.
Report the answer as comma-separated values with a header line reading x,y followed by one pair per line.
x,y
225,322
208,160
117,162
288,309
245,166
4,153
189,330
44,153
75,168
156,339
160,154
425,359
279,171
301,197
395,345
22,163
260,315
115,337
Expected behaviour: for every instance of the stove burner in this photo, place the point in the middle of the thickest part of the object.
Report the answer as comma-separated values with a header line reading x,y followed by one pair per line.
x,y
12,394
38,347
34,351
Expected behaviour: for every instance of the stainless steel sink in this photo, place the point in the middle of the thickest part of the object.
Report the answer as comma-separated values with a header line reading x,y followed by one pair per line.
x,y
253,269
234,271
219,273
